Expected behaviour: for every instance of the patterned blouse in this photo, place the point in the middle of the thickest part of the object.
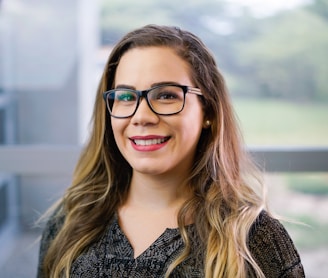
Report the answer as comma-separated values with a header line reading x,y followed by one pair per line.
x,y
112,255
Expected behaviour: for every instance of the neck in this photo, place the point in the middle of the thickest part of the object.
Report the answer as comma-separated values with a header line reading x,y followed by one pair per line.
x,y
157,193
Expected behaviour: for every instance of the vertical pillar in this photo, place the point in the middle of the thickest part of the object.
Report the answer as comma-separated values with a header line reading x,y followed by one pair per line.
x,y
88,42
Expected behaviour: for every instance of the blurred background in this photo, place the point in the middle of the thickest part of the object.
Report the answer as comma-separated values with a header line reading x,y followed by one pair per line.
x,y
273,54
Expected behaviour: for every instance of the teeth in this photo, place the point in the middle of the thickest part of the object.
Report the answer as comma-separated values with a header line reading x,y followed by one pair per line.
x,y
149,142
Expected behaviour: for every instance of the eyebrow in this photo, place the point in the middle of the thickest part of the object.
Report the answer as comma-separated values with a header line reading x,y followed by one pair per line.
x,y
124,86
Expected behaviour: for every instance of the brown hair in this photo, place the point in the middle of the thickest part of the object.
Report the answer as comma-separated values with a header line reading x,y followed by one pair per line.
x,y
226,200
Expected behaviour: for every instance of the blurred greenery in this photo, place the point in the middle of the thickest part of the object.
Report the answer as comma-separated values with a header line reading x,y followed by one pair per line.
x,y
283,56
289,62
310,233
280,122
316,185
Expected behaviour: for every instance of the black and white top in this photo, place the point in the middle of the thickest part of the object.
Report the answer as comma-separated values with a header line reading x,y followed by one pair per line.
x,y
112,255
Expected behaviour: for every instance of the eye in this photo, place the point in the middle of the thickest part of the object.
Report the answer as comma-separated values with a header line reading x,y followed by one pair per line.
x,y
168,93
125,96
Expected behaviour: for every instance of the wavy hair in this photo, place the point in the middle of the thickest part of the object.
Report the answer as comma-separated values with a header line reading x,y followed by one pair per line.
x,y
228,196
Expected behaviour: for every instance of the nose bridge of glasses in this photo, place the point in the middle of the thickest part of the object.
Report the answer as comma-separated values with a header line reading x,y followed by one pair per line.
x,y
143,95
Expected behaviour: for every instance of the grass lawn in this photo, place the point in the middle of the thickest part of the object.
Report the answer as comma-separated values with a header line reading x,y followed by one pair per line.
x,y
274,122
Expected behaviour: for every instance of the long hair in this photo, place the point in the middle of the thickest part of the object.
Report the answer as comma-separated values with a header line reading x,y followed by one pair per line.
x,y
227,197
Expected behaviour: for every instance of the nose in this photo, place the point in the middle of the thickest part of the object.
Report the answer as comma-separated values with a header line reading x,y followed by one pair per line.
x,y
144,115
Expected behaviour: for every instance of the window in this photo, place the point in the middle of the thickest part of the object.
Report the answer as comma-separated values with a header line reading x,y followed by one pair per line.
x,y
272,59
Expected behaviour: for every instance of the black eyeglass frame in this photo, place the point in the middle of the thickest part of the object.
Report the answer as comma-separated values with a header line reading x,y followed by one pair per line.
x,y
144,94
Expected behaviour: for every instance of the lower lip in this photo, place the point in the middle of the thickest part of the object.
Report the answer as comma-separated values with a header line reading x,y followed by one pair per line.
x,y
148,148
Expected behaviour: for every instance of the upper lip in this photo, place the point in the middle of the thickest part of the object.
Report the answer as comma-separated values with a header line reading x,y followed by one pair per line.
x,y
147,137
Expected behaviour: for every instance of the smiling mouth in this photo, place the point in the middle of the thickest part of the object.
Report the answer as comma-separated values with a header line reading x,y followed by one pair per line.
x,y
148,142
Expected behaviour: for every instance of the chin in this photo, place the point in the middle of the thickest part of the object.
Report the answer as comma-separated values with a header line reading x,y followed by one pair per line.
x,y
148,171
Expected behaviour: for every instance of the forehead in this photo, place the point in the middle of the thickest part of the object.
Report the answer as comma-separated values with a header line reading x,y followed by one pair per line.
x,y
143,66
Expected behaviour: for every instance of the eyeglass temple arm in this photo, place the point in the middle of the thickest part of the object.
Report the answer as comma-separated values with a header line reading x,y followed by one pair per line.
x,y
195,91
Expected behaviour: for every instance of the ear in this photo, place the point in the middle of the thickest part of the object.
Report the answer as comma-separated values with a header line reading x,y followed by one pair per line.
x,y
207,124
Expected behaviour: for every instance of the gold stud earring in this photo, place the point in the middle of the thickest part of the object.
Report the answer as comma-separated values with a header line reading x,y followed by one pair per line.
x,y
207,123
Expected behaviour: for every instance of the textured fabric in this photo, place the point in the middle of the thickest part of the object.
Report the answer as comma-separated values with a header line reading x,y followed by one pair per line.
x,y
112,254
273,249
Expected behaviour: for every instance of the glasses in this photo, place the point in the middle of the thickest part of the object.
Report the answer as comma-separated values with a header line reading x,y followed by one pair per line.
x,y
162,100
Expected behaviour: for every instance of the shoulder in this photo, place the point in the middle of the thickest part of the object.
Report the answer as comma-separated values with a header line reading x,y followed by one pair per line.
x,y
273,249
53,224
51,229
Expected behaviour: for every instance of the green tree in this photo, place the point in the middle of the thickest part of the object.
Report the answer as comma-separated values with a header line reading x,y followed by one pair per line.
x,y
289,59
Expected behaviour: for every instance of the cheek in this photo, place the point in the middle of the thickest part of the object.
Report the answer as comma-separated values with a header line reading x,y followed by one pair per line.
x,y
118,130
191,127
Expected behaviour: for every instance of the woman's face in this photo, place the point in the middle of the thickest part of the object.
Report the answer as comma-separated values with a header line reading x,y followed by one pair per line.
x,y
154,144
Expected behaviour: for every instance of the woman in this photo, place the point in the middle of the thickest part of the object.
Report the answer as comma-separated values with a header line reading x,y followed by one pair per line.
x,y
164,187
